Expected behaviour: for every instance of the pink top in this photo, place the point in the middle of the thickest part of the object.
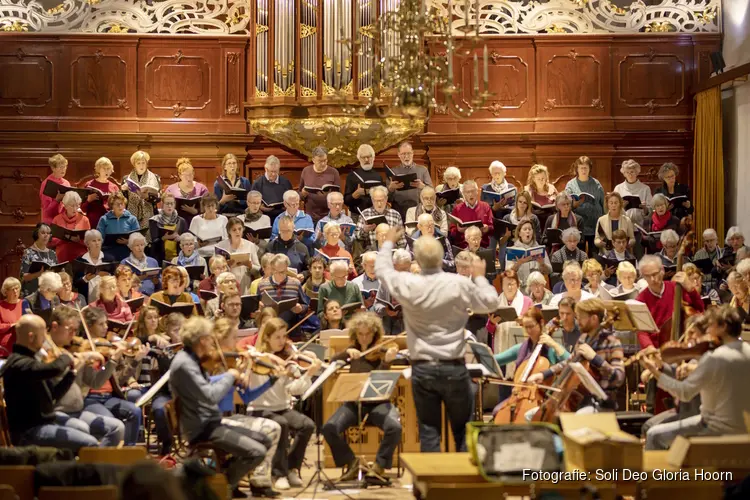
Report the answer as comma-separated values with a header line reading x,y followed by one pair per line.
x,y
50,206
199,190
119,310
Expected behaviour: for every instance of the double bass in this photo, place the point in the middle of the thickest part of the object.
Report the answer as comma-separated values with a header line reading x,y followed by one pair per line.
x,y
525,397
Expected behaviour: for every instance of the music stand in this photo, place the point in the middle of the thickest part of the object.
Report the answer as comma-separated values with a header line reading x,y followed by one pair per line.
x,y
376,386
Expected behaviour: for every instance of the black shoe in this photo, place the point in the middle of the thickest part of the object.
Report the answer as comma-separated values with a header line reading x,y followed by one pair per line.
x,y
264,492
236,493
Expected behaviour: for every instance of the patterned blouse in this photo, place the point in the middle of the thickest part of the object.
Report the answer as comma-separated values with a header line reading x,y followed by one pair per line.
x,y
33,254
142,208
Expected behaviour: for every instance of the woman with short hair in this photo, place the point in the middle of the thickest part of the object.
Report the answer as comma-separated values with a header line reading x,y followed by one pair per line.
x,y
71,218
68,296
536,289
109,300
139,261
89,283
236,244
37,252
189,256
610,222
117,221
524,240
45,298
633,187
166,228
11,309
230,175
451,180
96,205
53,206
210,227
670,188
562,219
589,208
142,203
187,187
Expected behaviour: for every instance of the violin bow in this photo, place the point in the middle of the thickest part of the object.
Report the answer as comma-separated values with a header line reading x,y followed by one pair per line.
x,y
86,328
300,321
381,344
127,330
313,339
221,354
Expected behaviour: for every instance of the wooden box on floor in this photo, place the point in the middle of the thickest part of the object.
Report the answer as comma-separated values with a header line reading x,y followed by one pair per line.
x,y
372,436
596,442
127,455
720,452
21,478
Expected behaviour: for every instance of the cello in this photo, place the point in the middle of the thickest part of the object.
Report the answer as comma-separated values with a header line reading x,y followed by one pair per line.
x,y
568,381
525,397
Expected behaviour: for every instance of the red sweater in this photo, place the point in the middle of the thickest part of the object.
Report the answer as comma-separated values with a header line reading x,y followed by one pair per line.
x,y
9,314
69,250
336,251
119,310
96,209
661,309
482,211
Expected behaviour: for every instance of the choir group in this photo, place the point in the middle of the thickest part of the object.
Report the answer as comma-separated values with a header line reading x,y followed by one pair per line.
x,y
142,268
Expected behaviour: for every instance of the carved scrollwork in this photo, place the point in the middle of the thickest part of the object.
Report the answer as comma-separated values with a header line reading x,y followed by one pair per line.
x,y
496,17
16,250
233,109
233,57
550,104
178,109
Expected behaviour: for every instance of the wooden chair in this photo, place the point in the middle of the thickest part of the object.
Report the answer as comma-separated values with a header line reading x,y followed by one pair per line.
x,y
7,492
117,456
78,493
21,478
452,491
205,451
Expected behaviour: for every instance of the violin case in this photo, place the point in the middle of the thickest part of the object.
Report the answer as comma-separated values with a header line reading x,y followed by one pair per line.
x,y
502,452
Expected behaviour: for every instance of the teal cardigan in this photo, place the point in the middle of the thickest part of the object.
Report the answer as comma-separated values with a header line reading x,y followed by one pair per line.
x,y
510,355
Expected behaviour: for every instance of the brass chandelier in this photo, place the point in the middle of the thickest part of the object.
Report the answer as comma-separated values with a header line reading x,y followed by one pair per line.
x,y
412,61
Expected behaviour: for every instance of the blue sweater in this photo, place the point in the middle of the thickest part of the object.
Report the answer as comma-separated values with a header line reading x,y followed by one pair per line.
x,y
109,224
227,402
272,192
301,221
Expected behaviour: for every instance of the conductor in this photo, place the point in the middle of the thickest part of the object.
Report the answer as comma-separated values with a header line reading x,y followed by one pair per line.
x,y
436,307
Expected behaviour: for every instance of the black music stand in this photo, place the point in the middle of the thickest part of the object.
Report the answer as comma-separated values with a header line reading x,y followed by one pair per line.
x,y
376,386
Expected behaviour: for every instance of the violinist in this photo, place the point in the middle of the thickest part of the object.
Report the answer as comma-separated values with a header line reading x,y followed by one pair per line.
x,y
200,417
276,404
533,327
33,388
106,398
69,409
653,430
365,330
740,292
226,335
720,378
135,372
600,347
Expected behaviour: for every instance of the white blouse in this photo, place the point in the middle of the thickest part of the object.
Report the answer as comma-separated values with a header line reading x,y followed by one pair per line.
x,y
209,229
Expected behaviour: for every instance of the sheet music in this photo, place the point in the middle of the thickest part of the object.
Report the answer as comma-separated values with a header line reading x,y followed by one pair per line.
x,y
588,381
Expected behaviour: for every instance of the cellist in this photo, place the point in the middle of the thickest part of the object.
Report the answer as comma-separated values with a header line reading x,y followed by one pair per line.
x,y
525,353
600,347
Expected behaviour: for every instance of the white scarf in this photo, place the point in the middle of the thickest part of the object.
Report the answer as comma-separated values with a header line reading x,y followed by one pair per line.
x,y
516,304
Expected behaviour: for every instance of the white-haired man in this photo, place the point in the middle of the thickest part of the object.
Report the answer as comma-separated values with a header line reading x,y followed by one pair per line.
x,y
426,227
316,176
45,299
301,219
435,307
368,282
712,253
272,186
139,261
360,180
338,288
336,214
366,232
403,199
469,209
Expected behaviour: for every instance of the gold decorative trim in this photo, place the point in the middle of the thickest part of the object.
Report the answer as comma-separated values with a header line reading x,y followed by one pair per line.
x,y
306,30
16,26
260,28
367,31
660,27
341,134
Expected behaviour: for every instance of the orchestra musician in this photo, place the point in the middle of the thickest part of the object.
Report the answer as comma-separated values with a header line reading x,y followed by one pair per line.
x,y
720,378
276,404
600,347
33,388
533,326
436,305
568,323
365,331
200,417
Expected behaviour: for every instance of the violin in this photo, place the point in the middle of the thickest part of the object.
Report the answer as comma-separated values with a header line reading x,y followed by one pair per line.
x,y
524,398
694,348
292,355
